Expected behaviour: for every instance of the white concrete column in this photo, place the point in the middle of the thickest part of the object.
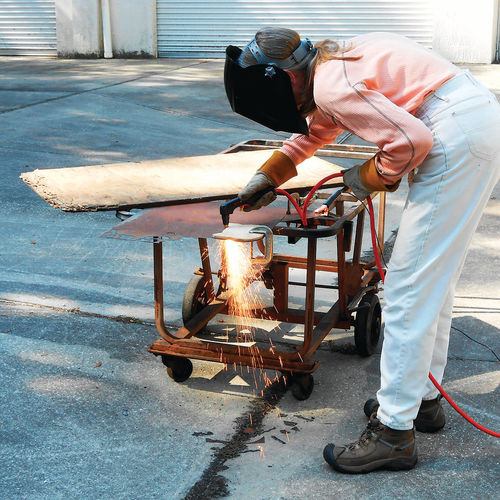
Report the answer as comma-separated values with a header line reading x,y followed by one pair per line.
x,y
465,31
497,59
133,28
78,25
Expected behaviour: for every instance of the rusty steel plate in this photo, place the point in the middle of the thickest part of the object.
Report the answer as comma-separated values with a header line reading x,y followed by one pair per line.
x,y
196,220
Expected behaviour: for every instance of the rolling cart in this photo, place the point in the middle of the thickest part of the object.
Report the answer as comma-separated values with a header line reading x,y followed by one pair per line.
x,y
356,285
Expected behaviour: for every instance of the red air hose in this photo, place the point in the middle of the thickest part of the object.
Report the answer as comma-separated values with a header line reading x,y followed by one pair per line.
x,y
303,211
303,217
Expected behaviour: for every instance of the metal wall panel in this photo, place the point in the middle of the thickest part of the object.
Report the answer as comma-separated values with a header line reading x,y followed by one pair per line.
x,y
28,27
190,28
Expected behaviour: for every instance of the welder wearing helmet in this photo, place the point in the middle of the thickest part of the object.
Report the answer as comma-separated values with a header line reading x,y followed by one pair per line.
x,y
422,112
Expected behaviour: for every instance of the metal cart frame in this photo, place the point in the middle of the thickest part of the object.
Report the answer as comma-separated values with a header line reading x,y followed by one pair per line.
x,y
357,288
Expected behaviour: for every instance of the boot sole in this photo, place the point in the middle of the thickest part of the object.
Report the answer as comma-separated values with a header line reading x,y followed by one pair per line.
x,y
399,463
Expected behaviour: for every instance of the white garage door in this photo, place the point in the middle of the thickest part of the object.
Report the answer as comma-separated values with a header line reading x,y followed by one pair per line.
x,y
28,27
204,28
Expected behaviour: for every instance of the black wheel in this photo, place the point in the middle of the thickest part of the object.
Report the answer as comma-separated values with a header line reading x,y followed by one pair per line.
x,y
178,369
371,405
195,298
367,325
302,386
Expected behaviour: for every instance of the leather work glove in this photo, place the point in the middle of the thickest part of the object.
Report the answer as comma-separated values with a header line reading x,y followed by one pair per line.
x,y
364,179
274,172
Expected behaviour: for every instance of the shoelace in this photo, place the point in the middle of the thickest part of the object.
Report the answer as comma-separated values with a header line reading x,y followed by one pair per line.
x,y
365,436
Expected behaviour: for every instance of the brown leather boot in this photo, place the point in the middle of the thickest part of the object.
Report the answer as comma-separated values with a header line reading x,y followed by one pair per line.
x,y
379,447
430,417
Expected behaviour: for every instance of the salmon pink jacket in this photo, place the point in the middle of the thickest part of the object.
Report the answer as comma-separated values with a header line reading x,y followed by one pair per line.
x,y
375,97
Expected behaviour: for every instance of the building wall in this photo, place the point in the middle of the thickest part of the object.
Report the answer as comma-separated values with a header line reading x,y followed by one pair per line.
x,y
78,28
133,28
464,32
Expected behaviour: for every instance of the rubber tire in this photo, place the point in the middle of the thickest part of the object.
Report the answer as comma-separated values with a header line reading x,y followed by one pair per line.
x,y
178,369
302,386
367,325
191,303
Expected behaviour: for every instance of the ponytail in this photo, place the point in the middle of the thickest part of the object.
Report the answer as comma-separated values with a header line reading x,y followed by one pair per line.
x,y
326,51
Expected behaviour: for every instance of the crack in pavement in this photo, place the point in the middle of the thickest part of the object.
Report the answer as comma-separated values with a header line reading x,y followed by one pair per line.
x,y
185,114
80,92
212,484
119,319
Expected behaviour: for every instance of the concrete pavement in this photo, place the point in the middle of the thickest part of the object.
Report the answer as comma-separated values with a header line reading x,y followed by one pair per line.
x,y
86,412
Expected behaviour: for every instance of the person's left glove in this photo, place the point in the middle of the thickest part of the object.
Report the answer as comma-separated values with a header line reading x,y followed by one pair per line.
x,y
364,179
274,172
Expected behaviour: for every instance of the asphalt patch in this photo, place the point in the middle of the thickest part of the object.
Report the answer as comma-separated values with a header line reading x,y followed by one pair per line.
x,y
212,484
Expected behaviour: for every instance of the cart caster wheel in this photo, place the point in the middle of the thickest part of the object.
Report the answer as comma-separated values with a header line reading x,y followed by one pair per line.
x,y
371,405
302,386
367,325
195,298
178,369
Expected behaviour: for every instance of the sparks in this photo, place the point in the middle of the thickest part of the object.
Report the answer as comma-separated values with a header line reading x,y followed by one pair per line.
x,y
236,259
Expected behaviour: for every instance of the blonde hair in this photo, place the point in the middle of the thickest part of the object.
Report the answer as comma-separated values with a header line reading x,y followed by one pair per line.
x,y
278,43
326,50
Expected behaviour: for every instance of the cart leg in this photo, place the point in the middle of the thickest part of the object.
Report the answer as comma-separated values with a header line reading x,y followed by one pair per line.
x,y
310,285
356,255
280,278
158,285
207,270
341,265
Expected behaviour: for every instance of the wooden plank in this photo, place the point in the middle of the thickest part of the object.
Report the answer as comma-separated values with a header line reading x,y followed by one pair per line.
x,y
161,182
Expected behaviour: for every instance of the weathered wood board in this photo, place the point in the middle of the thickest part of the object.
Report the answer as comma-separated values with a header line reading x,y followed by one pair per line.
x,y
161,182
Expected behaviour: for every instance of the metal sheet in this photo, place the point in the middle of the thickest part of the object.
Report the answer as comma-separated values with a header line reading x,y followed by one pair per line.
x,y
203,28
197,220
28,27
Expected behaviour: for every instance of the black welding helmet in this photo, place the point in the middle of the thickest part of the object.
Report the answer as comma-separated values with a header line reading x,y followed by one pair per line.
x,y
263,92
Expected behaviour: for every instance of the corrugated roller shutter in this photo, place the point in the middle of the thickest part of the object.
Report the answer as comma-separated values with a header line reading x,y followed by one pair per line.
x,y
28,27
205,28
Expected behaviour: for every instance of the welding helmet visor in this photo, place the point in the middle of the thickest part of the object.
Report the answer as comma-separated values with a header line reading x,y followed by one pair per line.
x,y
263,93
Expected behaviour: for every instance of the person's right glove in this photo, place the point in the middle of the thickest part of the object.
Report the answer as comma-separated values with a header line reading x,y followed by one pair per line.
x,y
274,172
364,179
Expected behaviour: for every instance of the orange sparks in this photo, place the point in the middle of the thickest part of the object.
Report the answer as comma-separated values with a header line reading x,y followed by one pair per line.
x,y
236,261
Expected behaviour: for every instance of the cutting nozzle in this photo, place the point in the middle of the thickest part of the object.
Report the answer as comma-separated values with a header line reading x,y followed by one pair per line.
x,y
227,208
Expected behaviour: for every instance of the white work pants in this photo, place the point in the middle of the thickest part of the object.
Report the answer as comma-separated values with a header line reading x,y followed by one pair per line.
x,y
442,211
